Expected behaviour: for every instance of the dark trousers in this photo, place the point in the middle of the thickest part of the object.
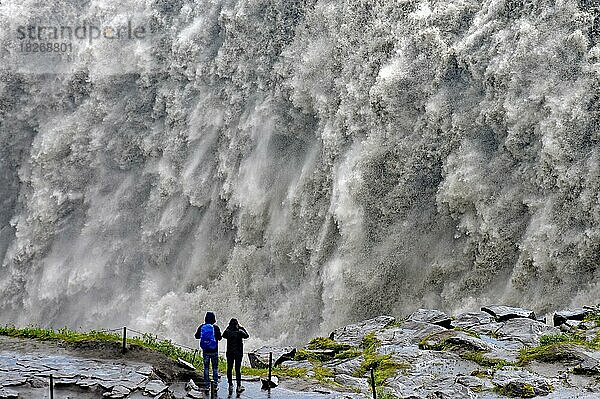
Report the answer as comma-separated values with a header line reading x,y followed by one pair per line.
x,y
237,360
211,358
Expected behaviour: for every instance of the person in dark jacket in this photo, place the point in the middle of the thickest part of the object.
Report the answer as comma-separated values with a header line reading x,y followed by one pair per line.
x,y
210,356
235,336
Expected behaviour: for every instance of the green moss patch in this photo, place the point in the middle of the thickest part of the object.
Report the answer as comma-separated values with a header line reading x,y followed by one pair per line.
x,y
322,349
383,366
482,360
148,341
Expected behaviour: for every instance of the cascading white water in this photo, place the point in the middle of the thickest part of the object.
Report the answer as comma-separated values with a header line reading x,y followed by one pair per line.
x,y
299,164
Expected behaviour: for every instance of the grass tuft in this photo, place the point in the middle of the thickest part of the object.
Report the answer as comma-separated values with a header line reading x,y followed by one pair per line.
x,y
383,366
166,347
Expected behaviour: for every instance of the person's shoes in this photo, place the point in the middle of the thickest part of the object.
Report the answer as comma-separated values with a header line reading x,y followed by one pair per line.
x,y
240,389
230,387
214,386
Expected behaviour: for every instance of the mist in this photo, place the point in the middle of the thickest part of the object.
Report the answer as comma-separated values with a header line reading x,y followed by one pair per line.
x,y
299,164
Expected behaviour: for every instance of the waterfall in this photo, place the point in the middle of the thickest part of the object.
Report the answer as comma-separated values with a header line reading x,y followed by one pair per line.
x,y
296,164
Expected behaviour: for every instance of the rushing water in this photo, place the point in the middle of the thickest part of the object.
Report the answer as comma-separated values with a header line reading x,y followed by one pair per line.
x,y
297,164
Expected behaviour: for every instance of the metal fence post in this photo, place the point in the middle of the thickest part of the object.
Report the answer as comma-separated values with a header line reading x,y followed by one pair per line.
x,y
270,368
124,340
373,384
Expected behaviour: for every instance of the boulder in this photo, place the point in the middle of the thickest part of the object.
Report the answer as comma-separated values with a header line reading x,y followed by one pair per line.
x,y
118,392
574,314
266,384
587,325
61,382
431,316
185,365
145,370
6,393
592,334
521,383
12,380
86,383
475,383
471,319
346,380
191,386
503,313
348,395
37,382
526,331
259,359
155,387
346,366
485,329
455,341
409,333
443,388
354,334
589,363
196,394
295,364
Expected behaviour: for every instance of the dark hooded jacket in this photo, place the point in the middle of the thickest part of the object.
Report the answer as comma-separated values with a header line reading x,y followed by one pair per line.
x,y
235,335
210,319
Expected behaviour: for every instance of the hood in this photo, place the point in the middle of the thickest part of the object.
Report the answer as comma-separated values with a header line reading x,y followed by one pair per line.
x,y
210,318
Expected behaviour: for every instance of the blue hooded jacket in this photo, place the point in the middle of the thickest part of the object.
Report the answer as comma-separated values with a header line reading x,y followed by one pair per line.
x,y
210,318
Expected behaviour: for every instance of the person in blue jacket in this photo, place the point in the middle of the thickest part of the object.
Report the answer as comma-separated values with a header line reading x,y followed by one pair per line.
x,y
209,335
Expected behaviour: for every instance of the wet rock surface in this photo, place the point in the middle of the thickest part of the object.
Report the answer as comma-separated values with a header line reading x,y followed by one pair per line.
x,y
526,331
259,358
503,313
478,357
485,355
565,316
431,316
353,334
26,366
455,341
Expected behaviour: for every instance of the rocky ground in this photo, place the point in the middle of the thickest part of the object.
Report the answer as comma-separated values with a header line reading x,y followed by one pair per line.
x,y
497,352
90,370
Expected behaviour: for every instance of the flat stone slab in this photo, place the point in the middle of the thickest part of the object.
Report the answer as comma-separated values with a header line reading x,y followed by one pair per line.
x,y
259,358
521,383
503,313
117,392
186,365
472,319
589,363
154,387
485,329
195,394
352,382
475,383
445,388
6,393
563,316
346,366
354,334
409,333
431,316
527,331
455,341
297,364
